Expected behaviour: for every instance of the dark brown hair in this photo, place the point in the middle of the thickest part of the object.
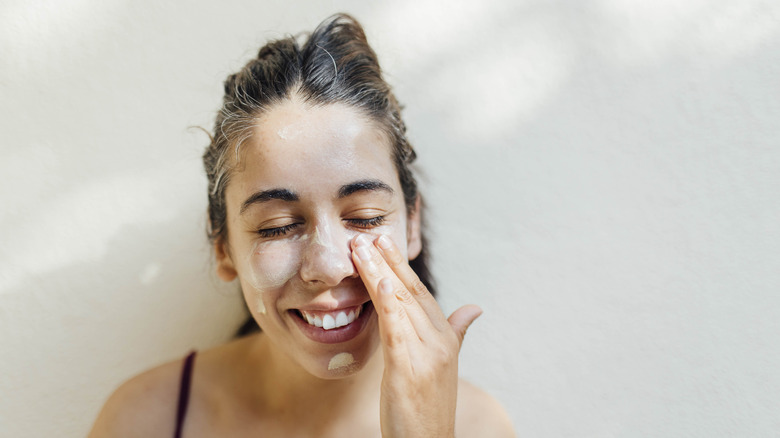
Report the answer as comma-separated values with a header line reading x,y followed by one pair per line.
x,y
334,65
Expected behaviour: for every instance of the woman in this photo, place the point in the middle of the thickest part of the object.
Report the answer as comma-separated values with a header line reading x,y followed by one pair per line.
x,y
314,208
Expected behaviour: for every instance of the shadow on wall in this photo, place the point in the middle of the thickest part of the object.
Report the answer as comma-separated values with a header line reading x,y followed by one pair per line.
x,y
148,296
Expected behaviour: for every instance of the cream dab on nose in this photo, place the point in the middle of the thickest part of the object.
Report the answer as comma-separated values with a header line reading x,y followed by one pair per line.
x,y
340,360
316,237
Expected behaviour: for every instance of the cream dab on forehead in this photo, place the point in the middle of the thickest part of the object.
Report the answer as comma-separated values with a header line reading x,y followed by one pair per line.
x,y
340,360
296,121
306,149
292,130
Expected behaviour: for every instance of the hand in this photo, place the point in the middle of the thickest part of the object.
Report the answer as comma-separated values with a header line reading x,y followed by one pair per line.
x,y
420,345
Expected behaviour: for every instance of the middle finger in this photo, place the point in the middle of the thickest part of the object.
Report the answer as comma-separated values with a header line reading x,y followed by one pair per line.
x,y
373,268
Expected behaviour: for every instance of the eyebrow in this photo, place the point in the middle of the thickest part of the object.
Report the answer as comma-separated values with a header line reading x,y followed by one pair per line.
x,y
366,185
269,195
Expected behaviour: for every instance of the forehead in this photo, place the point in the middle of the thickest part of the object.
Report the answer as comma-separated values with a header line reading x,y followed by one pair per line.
x,y
313,148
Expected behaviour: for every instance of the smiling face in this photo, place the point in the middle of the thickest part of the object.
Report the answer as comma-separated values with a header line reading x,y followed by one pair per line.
x,y
310,180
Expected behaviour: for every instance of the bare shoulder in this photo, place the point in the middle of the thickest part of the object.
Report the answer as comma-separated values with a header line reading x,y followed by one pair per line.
x,y
144,406
479,414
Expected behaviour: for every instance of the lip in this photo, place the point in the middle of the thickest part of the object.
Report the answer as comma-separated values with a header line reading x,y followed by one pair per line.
x,y
336,335
333,307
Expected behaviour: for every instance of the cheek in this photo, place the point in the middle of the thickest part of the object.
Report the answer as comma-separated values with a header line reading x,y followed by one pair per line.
x,y
269,266
397,232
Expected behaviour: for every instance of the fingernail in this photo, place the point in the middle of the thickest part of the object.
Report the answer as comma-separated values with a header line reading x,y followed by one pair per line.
x,y
362,252
384,242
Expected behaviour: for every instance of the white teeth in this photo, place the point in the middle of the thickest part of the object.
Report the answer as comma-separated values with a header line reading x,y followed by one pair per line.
x,y
341,319
330,321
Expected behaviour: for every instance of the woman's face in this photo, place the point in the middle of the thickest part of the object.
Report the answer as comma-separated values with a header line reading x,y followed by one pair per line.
x,y
308,182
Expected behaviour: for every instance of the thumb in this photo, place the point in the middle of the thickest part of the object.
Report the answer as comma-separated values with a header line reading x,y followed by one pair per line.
x,y
461,319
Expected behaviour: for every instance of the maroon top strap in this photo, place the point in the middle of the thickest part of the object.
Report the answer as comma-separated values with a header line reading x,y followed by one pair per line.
x,y
184,393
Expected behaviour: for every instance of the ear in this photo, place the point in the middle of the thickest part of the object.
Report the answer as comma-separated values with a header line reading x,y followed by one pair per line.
x,y
413,231
225,269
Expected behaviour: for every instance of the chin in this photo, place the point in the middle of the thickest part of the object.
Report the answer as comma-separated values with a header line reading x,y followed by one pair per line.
x,y
341,363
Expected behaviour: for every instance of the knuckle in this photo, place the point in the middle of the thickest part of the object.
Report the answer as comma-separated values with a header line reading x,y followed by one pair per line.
x,y
418,287
444,352
368,269
441,359
395,258
393,339
396,337
404,296
388,308
376,258
400,313
450,358
370,266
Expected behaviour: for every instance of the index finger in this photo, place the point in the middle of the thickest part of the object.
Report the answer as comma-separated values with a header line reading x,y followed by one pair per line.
x,y
373,269
400,265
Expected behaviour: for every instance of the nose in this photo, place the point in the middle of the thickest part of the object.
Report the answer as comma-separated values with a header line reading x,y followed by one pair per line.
x,y
327,256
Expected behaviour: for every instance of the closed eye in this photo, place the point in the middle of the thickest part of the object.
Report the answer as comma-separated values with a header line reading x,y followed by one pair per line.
x,y
367,223
277,231
355,222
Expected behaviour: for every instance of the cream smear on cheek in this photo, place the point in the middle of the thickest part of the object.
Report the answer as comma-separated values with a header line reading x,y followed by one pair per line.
x,y
271,265
275,262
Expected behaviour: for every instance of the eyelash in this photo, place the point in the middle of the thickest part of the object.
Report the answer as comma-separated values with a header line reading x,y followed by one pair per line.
x,y
278,231
368,223
360,223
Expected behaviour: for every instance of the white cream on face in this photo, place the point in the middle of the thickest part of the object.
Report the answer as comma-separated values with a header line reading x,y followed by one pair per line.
x,y
271,265
311,152
293,130
340,360
315,238
324,243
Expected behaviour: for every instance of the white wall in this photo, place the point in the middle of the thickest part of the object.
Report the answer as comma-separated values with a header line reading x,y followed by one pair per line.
x,y
604,178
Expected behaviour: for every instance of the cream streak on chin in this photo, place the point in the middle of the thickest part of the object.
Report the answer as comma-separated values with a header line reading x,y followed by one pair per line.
x,y
340,360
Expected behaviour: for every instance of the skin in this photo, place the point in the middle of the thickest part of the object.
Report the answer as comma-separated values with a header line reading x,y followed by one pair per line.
x,y
403,379
334,148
